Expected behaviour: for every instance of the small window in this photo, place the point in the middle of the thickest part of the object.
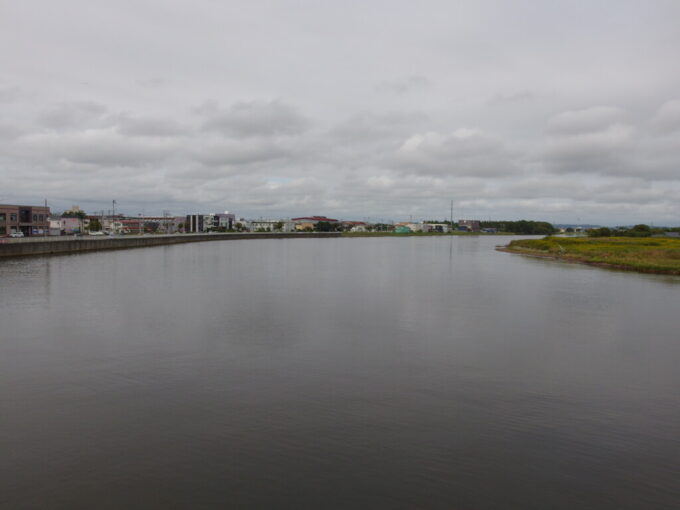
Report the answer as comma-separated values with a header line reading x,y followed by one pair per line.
x,y
41,217
13,217
2,216
35,217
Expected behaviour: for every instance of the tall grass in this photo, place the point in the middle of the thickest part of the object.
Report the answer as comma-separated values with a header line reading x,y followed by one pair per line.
x,y
660,255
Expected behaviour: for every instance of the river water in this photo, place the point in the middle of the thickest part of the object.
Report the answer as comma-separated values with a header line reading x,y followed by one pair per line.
x,y
336,373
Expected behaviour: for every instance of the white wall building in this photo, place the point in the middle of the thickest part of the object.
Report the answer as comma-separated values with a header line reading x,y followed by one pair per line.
x,y
270,225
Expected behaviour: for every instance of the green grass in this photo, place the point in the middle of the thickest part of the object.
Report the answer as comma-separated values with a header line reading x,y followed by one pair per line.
x,y
655,255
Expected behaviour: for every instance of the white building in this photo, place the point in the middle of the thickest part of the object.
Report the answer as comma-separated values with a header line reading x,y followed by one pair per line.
x,y
435,227
270,225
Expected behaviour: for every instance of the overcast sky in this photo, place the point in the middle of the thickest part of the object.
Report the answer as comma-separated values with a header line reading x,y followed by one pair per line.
x,y
555,110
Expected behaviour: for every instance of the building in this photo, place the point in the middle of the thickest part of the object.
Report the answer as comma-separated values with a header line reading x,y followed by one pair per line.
x,y
412,227
55,227
195,223
208,222
31,220
131,226
271,225
436,227
355,226
310,222
469,225
71,225
225,220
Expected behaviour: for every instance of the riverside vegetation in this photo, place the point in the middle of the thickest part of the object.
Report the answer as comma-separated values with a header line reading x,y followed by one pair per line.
x,y
643,254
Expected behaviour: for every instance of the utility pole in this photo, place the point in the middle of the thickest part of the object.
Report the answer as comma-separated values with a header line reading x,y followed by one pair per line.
x,y
166,215
451,215
113,216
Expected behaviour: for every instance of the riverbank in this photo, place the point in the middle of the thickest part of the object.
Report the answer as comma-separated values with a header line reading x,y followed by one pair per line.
x,y
68,245
645,255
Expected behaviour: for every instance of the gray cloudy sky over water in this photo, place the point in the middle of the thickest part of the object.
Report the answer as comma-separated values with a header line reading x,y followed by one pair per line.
x,y
564,111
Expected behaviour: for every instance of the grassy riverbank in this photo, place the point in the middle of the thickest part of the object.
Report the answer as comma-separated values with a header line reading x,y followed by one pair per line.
x,y
649,255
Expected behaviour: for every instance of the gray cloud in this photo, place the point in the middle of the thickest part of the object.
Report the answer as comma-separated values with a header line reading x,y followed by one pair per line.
x,y
149,126
370,127
590,120
76,114
465,152
599,140
255,118
242,152
96,147
598,134
667,118
521,96
10,94
405,85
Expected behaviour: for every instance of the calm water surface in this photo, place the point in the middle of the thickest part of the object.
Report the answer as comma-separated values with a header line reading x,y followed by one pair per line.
x,y
336,373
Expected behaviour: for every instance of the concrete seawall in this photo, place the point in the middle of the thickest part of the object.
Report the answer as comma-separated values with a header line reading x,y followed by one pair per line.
x,y
85,244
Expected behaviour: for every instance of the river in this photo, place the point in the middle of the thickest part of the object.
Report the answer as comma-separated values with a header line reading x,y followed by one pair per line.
x,y
418,372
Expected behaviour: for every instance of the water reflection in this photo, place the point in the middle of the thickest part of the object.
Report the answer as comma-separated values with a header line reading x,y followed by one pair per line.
x,y
400,373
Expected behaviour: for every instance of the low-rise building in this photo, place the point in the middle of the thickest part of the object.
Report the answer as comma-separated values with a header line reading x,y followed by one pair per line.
x,y
55,227
131,226
355,226
197,223
209,222
435,227
310,222
469,225
225,220
71,225
412,227
31,220
269,225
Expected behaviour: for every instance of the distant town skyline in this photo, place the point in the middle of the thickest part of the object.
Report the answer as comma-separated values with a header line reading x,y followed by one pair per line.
x,y
567,113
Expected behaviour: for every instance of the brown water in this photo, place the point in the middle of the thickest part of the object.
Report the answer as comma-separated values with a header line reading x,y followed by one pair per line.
x,y
336,373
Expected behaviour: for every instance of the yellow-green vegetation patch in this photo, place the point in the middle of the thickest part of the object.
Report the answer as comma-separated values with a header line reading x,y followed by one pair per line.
x,y
658,255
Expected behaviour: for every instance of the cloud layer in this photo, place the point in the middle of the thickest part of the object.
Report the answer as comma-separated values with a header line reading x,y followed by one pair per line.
x,y
271,111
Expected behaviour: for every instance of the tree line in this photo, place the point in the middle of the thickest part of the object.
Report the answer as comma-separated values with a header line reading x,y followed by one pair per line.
x,y
640,230
524,227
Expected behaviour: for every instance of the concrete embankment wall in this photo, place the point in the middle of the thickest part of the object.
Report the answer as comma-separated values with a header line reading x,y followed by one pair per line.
x,y
85,244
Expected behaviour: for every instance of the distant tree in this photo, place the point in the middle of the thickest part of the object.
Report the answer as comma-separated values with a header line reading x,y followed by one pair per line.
x,y
151,226
95,225
278,226
521,227
600,232
325,226
642,229
73,214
